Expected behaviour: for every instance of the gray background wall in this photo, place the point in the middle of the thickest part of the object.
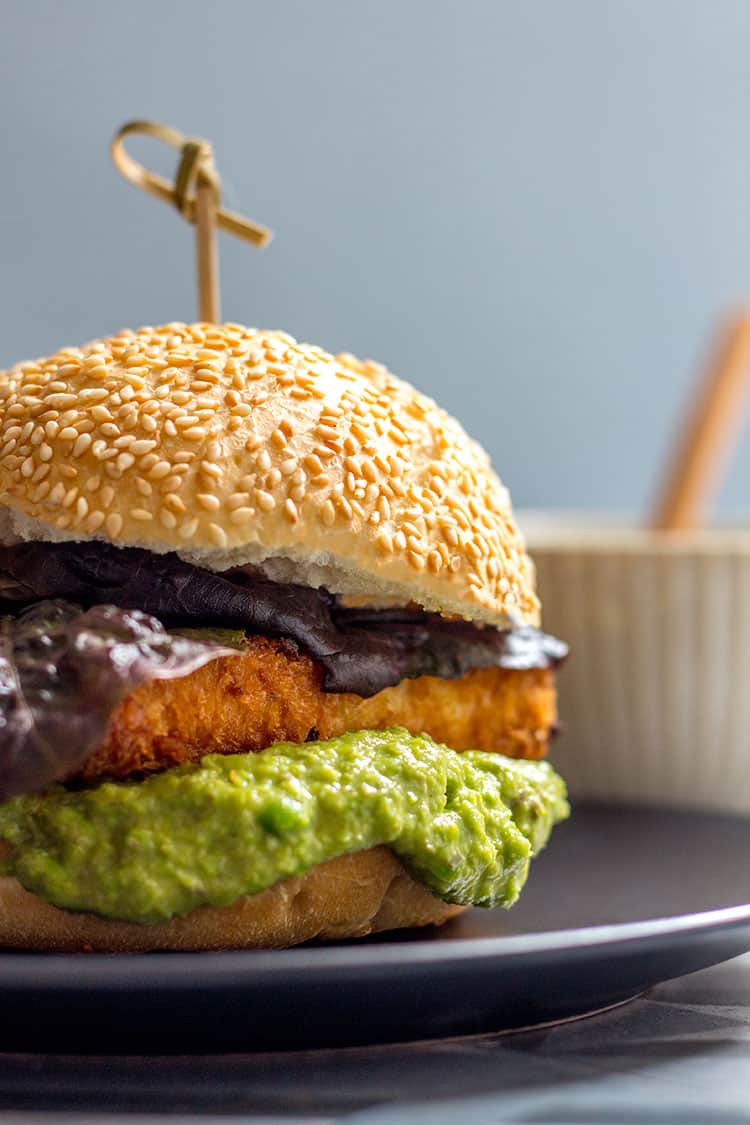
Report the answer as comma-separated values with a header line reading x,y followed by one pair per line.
x,y
535,211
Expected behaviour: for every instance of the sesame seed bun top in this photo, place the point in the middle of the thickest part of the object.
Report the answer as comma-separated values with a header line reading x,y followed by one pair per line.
x,y
235,446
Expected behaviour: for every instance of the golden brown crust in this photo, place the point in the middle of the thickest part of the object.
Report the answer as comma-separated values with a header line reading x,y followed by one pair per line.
x,y
238,446
351,896
272,694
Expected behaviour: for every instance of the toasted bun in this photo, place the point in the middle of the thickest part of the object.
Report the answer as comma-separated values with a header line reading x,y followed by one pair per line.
x,y
351,896
239,447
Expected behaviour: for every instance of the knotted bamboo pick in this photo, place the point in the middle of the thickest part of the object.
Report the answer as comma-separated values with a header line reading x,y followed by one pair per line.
x,y
196,193
706,440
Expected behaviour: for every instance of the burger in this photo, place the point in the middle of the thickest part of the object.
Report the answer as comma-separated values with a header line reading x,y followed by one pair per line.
x,y
271,666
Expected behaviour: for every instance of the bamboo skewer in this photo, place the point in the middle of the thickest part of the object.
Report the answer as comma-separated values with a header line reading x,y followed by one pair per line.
x,y
207,259
196,193
704,445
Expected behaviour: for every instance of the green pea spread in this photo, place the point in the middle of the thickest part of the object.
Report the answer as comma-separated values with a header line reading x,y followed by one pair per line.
x,y
465,825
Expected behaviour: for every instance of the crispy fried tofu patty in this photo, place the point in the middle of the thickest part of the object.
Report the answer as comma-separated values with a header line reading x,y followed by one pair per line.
x,y
273,693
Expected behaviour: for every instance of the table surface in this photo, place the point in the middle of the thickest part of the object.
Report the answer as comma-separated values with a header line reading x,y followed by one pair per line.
x,y
679,1054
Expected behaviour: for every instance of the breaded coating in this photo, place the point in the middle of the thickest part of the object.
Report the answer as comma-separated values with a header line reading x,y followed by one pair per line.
x,y
272,693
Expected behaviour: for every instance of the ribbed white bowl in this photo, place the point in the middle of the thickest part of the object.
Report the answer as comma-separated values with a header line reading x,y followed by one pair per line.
x,y
655,696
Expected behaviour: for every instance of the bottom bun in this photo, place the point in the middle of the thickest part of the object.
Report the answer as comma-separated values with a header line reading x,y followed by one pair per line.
x,y
350,896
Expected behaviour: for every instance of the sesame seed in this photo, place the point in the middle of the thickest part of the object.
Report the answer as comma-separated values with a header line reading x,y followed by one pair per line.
x,y
61,401
142,446
160,469
40,492
81,444
210,469
313,463
264,500
237,500
40,472
92,395
188,529
208,501
174,503
195,433
217,535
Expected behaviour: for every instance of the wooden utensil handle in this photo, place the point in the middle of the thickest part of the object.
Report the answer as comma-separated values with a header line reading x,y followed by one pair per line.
x,y
707,440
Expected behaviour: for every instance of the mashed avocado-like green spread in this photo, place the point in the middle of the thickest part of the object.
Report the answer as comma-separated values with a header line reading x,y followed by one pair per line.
x,y
465,824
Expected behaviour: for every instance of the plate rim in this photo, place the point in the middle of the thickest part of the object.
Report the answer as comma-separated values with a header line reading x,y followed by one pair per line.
x,y
38,971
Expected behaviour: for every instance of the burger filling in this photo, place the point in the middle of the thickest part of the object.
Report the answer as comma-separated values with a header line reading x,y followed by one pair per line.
x,y
171,737
465,825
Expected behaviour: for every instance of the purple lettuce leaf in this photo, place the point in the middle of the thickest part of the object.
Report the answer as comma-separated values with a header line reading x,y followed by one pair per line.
x,y
63,671
361,651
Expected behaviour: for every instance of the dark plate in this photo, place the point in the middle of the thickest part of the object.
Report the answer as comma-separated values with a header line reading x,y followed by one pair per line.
x,y
621,900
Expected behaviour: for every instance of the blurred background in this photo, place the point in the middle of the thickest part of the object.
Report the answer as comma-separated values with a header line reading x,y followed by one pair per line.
x,y
535,211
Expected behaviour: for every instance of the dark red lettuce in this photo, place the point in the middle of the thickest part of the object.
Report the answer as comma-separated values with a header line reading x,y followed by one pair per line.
x,y
361,651
63,672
